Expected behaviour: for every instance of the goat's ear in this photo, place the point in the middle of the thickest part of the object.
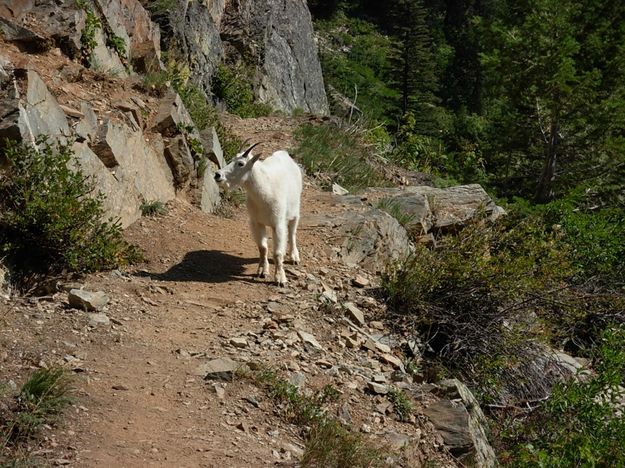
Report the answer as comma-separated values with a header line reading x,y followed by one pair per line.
x,y
255,157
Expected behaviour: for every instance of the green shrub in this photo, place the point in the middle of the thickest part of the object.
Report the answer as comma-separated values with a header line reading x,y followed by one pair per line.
x,y
50,217
233,85
153,208
42,397
117,44
334,155
402,405
356,61
580,425
92,24
472,298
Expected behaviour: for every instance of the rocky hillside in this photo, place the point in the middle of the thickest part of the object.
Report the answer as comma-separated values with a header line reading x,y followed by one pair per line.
x,y
165,355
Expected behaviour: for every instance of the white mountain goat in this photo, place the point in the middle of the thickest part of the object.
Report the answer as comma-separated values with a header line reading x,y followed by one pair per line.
x,y
274,188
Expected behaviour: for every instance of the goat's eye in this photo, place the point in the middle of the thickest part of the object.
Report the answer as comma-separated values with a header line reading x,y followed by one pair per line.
x,y
240,164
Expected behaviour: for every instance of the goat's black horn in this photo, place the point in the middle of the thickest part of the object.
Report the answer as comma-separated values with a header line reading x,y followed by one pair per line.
x,y
244,144
247,151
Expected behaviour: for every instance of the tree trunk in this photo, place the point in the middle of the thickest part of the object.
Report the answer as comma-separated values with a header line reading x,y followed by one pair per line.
x,y
544,192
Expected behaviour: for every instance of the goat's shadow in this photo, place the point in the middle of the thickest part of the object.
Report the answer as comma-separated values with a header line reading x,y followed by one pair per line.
x,y
208,266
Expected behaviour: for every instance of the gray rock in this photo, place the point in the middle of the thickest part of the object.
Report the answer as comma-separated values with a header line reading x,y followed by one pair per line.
x,y
210,197
62,27
297,379
354,313
377,388
128,20
397,441
239,342
87,300
451,420
87,127
309,339
275,36
40,113
106,60
98,319
171,115
445,209
338,190
372,239
219,369
212,147
476,423
25,38
178,156
196,30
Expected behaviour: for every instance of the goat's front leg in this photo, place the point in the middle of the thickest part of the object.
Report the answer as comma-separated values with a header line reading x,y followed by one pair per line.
x,y
279,249
259,232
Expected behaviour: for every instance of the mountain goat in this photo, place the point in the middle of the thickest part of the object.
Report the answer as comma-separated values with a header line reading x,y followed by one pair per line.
x,y
274,188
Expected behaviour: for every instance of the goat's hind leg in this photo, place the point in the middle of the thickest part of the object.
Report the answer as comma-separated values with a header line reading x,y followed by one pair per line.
x,y
293,252
259,232
279,249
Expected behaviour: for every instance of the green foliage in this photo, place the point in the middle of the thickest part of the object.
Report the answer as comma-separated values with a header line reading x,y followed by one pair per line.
x,y
202,113
328,443
153,208
51,218
355,61
335,155
402,405
44,396
580,425
118,44
594,235
233,85
92,24
459,296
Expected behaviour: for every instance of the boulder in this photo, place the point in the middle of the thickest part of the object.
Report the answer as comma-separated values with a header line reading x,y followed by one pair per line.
x,y
178,156
27,108
122,201
445,208
105,59
212,147
210,197
129,171
459,417
367,237
171,115
128,20
219,369
371,239
87,300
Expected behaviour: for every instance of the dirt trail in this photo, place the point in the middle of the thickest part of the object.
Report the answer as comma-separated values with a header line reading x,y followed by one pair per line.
x,y
141,399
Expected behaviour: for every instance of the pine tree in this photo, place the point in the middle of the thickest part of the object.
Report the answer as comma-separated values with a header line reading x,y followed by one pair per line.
x,y
415,69
549,88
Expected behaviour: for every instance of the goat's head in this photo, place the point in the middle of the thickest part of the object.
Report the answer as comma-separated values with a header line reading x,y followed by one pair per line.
x,y
239,169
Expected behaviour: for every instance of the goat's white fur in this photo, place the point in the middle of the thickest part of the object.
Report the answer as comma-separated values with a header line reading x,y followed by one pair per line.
x,y
274,188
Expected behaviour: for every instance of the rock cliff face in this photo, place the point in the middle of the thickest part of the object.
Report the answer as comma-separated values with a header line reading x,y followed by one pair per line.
x,y
278,34
275,36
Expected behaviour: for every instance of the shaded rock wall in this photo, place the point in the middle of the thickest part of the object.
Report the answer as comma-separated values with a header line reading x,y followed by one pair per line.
x,y
275,37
